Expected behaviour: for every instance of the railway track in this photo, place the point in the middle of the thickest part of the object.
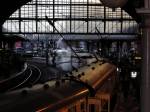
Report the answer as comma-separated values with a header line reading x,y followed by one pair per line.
x,y
30,76
37,73
33,78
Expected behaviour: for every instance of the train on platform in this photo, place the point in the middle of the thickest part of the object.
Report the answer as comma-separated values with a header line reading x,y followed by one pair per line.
x,y
91,88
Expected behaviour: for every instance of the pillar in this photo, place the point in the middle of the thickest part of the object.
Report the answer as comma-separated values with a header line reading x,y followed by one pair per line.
x,y
145,77
145,84
0,36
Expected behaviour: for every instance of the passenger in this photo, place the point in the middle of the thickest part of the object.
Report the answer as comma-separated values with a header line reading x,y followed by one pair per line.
x,y
54,59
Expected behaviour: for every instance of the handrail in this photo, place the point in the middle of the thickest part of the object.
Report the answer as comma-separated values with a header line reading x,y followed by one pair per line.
x,y
85,84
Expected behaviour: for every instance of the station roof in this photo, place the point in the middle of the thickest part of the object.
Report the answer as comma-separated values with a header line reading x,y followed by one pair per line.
x,y
15,4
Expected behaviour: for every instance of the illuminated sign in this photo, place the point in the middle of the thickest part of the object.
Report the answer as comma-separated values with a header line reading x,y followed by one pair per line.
x,y
133,74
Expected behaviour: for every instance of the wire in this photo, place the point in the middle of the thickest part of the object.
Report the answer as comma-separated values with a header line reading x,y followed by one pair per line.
x,y
52,24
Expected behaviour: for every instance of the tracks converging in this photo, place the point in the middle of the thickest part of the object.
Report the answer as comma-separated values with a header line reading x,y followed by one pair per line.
x,y
30,76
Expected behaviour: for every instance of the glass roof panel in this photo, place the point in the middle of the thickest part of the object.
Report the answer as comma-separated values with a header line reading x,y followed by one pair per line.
x,y
70,16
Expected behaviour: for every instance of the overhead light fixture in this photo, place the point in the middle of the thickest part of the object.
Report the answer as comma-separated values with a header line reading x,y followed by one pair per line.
x,y
114,3
118,69
138,58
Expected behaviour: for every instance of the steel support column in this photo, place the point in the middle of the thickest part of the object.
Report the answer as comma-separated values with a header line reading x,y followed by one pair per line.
x,y
145,82
145,85
1,29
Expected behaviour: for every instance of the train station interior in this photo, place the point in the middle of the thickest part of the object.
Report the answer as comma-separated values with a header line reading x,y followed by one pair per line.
x,y
74,55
